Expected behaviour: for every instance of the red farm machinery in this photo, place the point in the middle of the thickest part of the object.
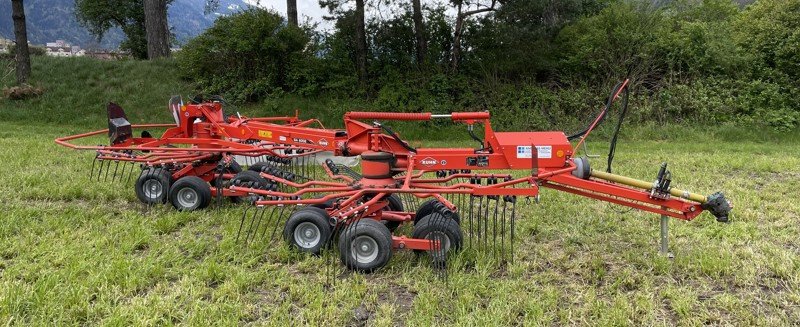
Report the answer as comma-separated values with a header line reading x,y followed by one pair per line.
x,y
452,197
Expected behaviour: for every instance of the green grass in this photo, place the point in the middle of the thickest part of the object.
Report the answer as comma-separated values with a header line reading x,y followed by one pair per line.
x,y
81,253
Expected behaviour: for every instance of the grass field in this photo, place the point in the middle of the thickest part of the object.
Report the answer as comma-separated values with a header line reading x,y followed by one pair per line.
x,y
83,253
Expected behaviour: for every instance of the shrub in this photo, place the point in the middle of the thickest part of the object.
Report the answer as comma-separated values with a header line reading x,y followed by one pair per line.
x,y
249,55
770,30
22,92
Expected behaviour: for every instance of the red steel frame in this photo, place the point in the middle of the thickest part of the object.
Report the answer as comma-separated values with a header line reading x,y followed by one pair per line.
x,y
215,138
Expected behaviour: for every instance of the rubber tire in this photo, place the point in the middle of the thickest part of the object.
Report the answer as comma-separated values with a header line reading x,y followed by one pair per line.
x,y
233,168
325,205
162,176
395,204
249,176
435,222
258,166
316,216
428,207
201,187
373,229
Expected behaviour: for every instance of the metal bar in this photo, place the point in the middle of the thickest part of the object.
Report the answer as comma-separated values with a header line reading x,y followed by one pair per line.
x,y
646,185
664,249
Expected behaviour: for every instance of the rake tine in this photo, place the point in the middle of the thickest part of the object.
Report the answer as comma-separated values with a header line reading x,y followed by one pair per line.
x,y
351,224
250,227
105,178
150,171
278,219
122,170
260,214
440,254
130,173
432,238
329,255
219,186
305,166
91,172
494,227
486,218
116,167
471,210
513,216
268,222
480,219
241,223
503,230
301,163
100,169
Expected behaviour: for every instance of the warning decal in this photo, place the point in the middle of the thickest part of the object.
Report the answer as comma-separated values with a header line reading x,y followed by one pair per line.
x,y
543,151
265,134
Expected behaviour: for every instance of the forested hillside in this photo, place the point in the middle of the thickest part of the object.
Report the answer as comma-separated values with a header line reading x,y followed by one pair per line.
x,y
51,20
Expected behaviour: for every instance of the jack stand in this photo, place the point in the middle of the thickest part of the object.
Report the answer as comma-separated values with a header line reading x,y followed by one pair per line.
x,y
664,250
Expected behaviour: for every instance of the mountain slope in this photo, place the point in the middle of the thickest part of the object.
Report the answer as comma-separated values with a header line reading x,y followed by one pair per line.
x,y
50,20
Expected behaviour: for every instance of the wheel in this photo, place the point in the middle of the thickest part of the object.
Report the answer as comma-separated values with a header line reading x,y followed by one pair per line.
x,y
152,186
434,205
258,166
308,230
190,193
365,246
249,178
325,205
437,227
233,168
395,204
264,167
426,208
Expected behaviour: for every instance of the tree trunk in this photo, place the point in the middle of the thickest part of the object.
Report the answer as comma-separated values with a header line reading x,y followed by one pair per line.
x,y
361,43
456,53
23,57
156,28
419,33
460,17
291,12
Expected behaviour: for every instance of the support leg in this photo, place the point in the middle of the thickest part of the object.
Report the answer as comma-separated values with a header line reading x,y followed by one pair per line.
x,y
664,250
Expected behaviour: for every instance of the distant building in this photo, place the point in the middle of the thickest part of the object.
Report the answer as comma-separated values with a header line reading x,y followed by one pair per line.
x,y
5,45
60,48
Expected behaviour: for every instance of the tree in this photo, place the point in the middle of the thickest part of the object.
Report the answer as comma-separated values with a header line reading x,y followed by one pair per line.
x,y
99,16
334,6
769,30
248,56
460,17
22,56
156,28
516,40
291,12
419,33
361,43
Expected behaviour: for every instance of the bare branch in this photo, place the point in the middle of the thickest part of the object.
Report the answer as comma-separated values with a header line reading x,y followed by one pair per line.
x,y
478,11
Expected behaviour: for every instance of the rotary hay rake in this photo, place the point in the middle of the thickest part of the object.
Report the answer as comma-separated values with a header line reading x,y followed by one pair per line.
x,y
470,194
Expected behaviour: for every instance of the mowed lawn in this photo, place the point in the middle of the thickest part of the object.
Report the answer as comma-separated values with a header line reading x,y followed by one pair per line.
x,y
75,252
